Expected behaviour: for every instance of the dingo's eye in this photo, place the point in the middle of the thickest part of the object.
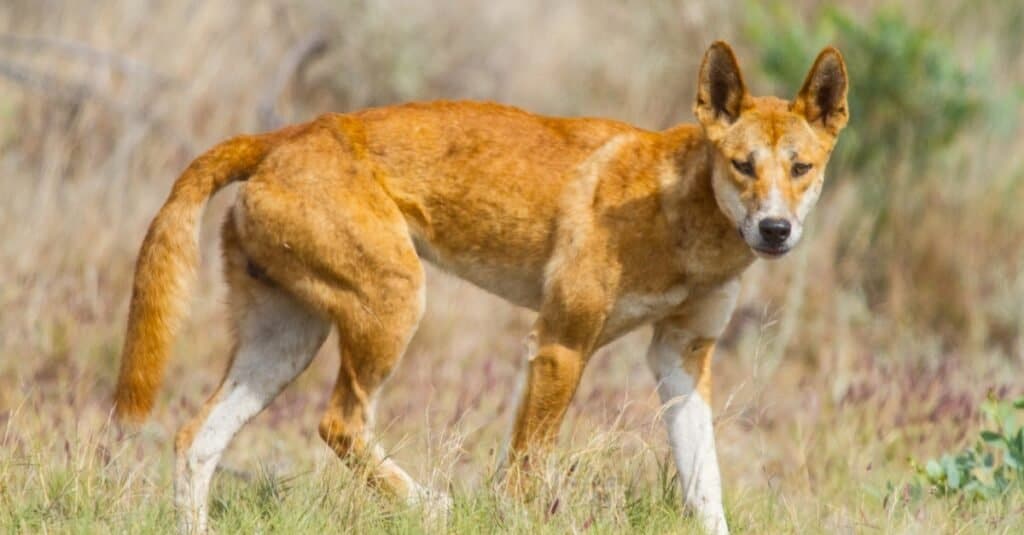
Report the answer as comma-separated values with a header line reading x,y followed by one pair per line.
x,y
800,169
747,167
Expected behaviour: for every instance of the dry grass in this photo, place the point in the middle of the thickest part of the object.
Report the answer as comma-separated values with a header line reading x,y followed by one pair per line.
x,y
855,354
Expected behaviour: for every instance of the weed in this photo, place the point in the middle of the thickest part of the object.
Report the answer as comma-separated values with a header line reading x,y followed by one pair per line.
x,y
990,467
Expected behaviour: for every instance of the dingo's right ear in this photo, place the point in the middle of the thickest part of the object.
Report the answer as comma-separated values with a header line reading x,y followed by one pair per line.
x,y
720,90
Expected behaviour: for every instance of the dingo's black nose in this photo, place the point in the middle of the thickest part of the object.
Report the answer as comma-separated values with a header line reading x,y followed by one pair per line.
x,y
774,231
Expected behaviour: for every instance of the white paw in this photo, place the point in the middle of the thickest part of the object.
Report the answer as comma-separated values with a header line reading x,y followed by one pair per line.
x,y
436,505
714,524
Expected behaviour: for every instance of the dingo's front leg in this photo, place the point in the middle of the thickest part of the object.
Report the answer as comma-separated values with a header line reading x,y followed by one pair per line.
x,y
680,357
556,353
552,374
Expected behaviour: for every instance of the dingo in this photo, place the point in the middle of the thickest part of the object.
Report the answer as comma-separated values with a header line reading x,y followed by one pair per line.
x,y
597,225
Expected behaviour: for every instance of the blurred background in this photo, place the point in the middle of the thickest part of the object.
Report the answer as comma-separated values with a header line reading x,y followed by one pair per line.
x,y
872,343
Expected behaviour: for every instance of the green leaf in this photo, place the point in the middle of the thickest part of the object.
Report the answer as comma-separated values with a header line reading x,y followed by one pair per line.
x,y
975,490
1012,462
953,475
991,436
934,470
1019,404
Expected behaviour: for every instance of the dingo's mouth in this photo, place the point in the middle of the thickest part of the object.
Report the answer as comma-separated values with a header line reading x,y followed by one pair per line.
x,y
770,252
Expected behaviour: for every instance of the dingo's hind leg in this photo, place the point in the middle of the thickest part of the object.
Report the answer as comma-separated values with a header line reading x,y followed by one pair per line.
x,y
334,238
277,337
372,341
375,323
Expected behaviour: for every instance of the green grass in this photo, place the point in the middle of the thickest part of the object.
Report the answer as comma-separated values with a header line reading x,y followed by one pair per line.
x,y
844,478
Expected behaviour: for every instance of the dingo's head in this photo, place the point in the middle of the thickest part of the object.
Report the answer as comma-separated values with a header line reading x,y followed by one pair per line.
x,y
771,154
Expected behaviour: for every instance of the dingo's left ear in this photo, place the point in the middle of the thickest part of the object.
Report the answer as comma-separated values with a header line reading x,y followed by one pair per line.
x,y
720,89
822,99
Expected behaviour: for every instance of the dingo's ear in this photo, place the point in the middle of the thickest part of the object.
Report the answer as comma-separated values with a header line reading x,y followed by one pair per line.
x,y
720,89
822,99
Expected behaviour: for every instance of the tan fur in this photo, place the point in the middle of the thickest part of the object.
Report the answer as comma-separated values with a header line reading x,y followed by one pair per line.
x,y
697,363
598,225
166,261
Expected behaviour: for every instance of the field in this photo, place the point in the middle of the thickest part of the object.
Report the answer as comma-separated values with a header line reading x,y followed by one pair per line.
x,y
870,349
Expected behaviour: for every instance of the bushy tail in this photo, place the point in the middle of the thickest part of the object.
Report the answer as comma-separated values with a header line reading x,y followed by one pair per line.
x,y
166,267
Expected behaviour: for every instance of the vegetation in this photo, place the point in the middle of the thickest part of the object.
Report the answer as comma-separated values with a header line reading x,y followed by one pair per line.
x,y
877,341
914,103
990,468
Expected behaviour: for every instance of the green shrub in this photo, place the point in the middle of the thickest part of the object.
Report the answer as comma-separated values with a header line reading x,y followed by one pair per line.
x,y
994,464
908,96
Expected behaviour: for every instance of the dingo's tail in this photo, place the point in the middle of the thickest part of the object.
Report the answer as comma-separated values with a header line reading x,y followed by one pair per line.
x,y
165,269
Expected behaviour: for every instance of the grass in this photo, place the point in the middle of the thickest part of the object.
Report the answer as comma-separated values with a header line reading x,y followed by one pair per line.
x,y
620,479
865,352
